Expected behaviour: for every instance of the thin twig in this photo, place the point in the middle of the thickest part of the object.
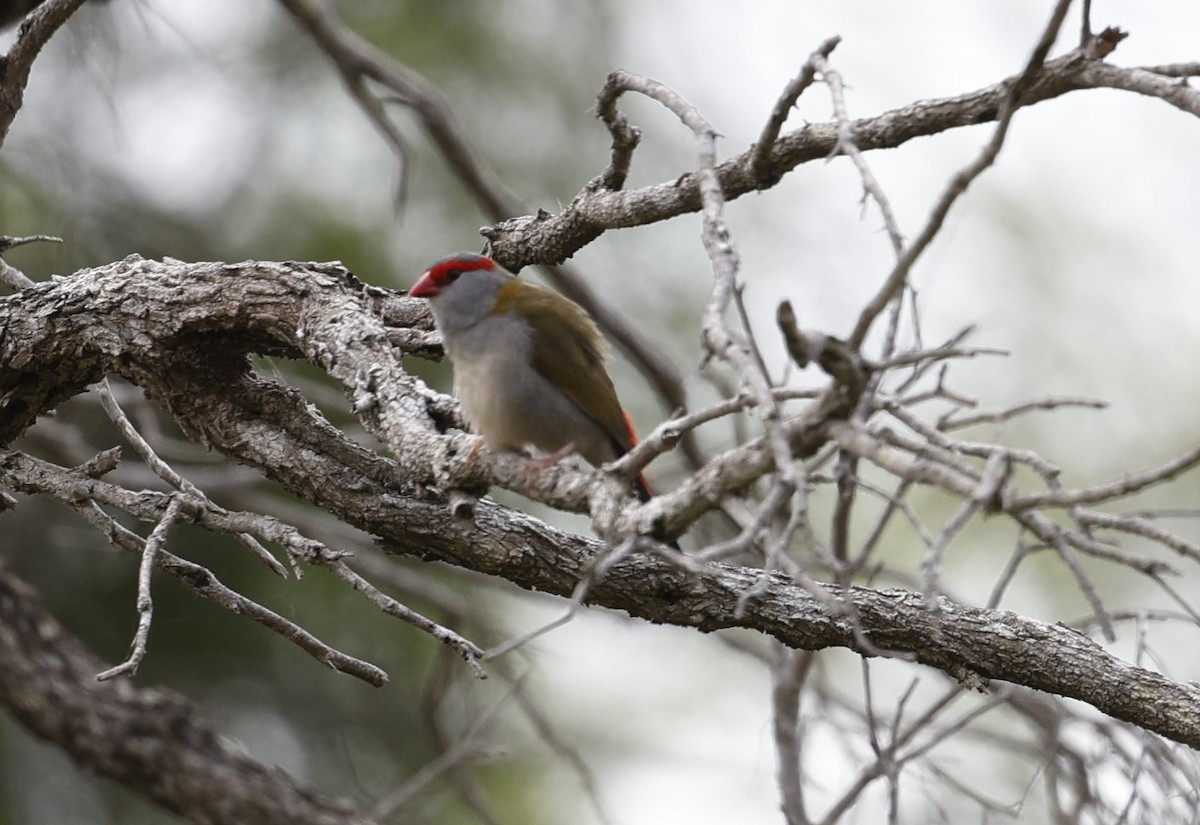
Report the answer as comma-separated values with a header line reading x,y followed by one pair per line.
x,y
846,145
953,421
931,566
761,154
1138,527
468,650
84,495
168,473
959,183
9,274
563,750
205,584
1063,541
1049,472
1019,554
595,571
889,759
789,675
145,604
939,354
467,748
1132,483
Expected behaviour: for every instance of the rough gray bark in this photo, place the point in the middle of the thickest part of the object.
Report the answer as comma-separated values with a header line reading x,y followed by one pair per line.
x,y
181,331
150,740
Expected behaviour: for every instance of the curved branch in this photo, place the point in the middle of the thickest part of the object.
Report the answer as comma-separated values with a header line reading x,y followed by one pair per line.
x,y
552,238
35,31
1012,100
149,740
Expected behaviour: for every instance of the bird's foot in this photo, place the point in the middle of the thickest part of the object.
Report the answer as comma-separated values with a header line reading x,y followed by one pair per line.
x,y
554,457
475,449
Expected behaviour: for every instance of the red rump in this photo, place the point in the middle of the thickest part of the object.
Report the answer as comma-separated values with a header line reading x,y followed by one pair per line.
x,y
644,491
633,439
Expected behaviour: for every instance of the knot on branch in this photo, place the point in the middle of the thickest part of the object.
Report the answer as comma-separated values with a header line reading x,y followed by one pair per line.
x,y
837,358
542,238
1100,46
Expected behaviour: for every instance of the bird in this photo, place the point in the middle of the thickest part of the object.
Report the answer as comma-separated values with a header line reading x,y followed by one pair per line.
x,y
529,363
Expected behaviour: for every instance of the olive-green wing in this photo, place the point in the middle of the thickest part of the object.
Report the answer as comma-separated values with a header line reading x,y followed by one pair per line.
x,y
570,352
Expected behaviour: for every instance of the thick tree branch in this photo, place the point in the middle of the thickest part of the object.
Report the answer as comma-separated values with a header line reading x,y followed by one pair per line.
x,y
190,359
149,740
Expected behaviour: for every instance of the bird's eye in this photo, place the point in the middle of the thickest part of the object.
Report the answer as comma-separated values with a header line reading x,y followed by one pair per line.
x,y
453,274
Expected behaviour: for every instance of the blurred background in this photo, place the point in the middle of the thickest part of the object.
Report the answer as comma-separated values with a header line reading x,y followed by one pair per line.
x,y
215,130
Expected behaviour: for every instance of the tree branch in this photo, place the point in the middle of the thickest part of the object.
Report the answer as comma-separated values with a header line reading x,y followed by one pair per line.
x,y
190,359
149,740
35,31
550,238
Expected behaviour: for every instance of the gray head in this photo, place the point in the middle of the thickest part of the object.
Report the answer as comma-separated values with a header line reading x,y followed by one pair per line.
x,y
461,289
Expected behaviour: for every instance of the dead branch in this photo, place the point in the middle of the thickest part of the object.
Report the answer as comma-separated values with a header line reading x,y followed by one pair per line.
x,y
290,308
152,741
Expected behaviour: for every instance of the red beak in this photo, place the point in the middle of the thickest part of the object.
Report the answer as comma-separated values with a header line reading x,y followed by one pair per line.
x,y
425,287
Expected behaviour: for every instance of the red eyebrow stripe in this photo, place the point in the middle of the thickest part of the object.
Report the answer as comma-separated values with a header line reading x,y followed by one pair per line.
x,y
461,263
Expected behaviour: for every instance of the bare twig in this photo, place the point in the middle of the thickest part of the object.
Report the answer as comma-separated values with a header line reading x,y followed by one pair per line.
x,y
566,752
145,605
1146,82
789,673
1064,543
9,274
1139,527
761,154
467,748
938,354
84,494
890,758
168,473
469,651
204,583
1049,472
846,145
958,184
1132,483
8,242
953,421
